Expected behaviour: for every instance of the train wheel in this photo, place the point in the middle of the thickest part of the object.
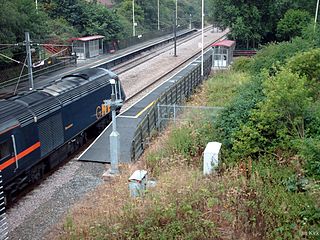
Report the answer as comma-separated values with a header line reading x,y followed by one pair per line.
x,y
37,173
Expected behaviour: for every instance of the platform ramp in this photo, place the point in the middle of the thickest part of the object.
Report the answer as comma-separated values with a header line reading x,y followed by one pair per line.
x,y
127,122
99,150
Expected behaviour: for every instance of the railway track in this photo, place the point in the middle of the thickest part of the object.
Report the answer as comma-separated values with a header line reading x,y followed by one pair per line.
x,y
168,74
130,64
41,81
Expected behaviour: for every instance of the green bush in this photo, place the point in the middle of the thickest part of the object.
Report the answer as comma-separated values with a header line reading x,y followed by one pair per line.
x,y
273,55
308,64
238,111
309,150
278,119
241,64
287,214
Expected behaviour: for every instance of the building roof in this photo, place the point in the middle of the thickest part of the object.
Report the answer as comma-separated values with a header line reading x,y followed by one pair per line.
x,y
224,43
88,38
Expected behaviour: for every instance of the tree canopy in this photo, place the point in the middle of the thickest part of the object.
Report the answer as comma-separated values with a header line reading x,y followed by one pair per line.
x,y
253,22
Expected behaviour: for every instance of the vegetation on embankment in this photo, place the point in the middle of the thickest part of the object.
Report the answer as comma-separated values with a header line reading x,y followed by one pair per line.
x,y
267,185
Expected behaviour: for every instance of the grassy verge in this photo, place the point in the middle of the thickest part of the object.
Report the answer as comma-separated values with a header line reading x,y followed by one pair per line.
x,y
248,200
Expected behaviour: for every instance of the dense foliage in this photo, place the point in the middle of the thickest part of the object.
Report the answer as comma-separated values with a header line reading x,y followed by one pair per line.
x,y
274,123
80,17
254,22
266,186
55,21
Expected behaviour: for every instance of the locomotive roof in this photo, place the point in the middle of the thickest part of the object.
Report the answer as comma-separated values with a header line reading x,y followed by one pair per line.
x,y
31,106
72,81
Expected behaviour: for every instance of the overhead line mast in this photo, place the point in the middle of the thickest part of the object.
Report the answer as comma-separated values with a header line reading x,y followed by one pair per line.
x,y
29,60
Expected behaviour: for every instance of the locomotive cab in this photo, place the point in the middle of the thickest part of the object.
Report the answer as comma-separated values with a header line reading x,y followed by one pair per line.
x,y
7,143
6,150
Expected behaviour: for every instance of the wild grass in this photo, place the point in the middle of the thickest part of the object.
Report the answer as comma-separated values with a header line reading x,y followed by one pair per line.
x,y
248,200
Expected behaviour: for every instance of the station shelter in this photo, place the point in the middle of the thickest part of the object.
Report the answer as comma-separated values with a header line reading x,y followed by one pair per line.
x,y
87,47
222,53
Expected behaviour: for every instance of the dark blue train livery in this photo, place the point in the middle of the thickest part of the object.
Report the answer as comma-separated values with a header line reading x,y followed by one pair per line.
x,y
39,129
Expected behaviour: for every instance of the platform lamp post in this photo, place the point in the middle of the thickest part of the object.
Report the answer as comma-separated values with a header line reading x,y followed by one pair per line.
x,y
114,103
174,36
202,25
158,15
133,21
316,17
176,12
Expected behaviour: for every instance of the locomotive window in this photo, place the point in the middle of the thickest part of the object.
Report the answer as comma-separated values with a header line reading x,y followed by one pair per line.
x,y
4,150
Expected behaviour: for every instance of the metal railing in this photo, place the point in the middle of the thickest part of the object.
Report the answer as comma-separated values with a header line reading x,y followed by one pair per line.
x,y
181,90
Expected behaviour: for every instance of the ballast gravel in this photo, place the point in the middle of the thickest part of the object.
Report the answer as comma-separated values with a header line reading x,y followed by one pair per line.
x,y
36,213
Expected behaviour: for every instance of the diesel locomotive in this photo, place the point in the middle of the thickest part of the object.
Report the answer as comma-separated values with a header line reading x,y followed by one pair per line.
x,y
41,128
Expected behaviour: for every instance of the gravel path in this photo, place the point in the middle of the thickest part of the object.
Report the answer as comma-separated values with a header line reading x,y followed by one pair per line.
x,y
40,210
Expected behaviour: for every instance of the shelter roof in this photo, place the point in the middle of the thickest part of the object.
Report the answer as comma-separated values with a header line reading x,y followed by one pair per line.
x,y
224,43
88,38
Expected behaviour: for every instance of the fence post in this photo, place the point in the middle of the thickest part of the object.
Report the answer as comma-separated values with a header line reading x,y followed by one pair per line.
x,y
159,118
167,104
133,150
148,122
174,113
155,117
172,95
176,85
141,138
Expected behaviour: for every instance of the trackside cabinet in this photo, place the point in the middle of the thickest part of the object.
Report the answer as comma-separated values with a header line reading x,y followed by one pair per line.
x,y
138,183
211,157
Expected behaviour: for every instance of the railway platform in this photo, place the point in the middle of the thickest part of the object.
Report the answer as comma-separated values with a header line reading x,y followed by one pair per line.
x,y
127,122
181,85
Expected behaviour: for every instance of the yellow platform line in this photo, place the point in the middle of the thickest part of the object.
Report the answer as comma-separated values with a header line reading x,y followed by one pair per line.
x,y
142,111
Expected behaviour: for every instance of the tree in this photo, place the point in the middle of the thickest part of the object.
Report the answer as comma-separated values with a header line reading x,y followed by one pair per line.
x,y
254,21
87,18
292,24
17,17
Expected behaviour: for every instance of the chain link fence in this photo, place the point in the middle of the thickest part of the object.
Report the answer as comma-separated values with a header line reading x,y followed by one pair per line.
x,y
178,114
